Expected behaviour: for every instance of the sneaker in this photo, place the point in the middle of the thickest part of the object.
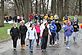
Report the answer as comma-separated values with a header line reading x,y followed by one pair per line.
x,y
14,48
55,42
31,51
67,47
50,45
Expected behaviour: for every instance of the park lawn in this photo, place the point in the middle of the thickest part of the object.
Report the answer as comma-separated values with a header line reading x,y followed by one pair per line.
x,y
3,32
79,17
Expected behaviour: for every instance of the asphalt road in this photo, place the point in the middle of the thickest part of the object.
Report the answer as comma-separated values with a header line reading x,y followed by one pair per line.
x,y
75,49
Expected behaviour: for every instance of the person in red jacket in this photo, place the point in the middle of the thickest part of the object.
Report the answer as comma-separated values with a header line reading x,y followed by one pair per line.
x,y
37,27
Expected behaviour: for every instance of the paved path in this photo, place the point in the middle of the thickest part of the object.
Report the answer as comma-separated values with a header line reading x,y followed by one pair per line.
x,y
6,48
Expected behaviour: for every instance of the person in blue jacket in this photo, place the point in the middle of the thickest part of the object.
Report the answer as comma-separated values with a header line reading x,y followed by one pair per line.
x,y
53,29
68,30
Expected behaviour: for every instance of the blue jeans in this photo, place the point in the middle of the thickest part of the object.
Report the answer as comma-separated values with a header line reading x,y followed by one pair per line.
x,y
57,35
31,43
67,41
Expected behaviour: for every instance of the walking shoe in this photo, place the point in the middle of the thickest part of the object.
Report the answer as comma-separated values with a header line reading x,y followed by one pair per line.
x,y
31,51
55,42
14,48
43,50
68,48
50,45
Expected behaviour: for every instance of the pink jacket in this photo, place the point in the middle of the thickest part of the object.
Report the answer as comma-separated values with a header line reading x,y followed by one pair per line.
x,y
37,27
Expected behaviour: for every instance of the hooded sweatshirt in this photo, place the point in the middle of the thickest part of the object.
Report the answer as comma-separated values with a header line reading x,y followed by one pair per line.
x,y
53,27
68,30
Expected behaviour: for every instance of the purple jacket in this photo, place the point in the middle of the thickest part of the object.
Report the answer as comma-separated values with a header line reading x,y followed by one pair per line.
x,y
68,30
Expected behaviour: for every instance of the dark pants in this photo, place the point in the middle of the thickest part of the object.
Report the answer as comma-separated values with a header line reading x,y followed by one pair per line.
x,y
14,38
38,34
44,42
52,38
31,43
23,39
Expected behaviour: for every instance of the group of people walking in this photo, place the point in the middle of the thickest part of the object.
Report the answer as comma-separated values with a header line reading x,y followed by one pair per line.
x,y
41,31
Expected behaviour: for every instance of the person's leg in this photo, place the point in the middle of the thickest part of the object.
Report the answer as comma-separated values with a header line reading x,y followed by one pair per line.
x,y
42,44
46,39
50,40
58,36
22,41
74,36
24,36
15,42
30,44
38,34
64,38
54,37
67,42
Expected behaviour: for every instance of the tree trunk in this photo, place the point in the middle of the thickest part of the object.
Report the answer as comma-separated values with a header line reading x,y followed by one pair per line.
x,y
66,7
53,6
31,7
2,14
36,7
80,10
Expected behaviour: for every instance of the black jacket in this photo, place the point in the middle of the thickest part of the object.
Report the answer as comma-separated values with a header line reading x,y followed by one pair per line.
x,y
23,29
45,32
14,32
58,27
76,27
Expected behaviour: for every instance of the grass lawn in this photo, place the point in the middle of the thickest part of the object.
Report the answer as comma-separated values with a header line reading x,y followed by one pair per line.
x,y
79,17
3,32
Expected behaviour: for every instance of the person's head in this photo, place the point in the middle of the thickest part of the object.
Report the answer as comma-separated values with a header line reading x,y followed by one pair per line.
x,y
75,22
14,25
69,23
22,23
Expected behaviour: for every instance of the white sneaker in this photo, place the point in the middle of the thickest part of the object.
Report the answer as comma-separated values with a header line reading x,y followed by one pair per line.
x,y
55,42
67,47
50,45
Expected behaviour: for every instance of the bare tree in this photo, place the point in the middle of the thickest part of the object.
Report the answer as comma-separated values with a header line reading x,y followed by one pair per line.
x,y
2,14
80,10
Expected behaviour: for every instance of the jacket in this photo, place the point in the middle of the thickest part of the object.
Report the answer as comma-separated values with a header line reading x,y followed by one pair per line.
x,y
14,32
68,30
76,27
52,27
23,29
37,27
58,27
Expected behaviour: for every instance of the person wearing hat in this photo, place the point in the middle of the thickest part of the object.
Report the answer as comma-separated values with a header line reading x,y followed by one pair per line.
x,y
68,30
14,32
23,30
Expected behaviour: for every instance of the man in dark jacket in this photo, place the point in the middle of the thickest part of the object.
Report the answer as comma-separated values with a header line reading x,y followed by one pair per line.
x,y
23,30
57,31
14,32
